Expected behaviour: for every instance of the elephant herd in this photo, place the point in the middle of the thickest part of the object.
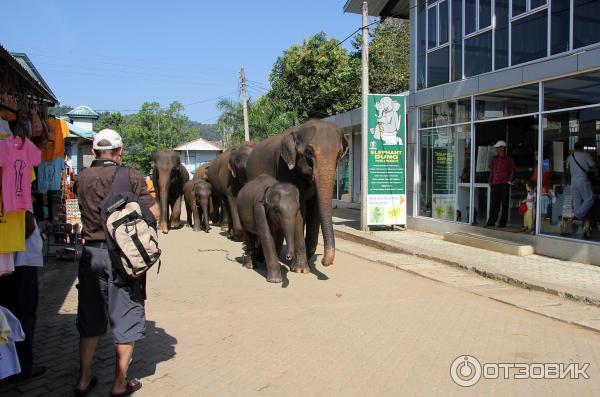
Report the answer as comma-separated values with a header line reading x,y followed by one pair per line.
x,y
261,193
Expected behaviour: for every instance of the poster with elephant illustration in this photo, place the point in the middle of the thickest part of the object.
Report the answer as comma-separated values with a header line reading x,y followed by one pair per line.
x,y
386,174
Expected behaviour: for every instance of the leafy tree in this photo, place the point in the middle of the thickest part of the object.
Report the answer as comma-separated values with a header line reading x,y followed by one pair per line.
x,y
114,121
317,77
389,56
58,111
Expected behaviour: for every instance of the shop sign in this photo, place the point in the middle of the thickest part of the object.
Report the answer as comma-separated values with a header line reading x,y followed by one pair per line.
x,y
386,174
443,200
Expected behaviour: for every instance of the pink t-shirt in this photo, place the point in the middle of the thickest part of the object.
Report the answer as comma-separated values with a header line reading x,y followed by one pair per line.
x,y
16,159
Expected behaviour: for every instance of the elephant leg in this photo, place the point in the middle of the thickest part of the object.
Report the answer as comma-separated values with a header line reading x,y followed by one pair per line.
x,y
205,216
299,263
312,229
176,214
235,227
249,251
267,244
188,214
197,220
226,216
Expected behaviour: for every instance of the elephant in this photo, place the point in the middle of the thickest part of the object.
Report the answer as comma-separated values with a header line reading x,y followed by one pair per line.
x,y
168,177
307,156
201,171
197,195
268,210
227,175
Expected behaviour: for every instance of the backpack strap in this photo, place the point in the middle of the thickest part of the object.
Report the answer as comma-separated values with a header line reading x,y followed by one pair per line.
x,y
121,182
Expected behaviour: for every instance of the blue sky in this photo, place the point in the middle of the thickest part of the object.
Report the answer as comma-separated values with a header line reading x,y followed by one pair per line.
x,y
116,54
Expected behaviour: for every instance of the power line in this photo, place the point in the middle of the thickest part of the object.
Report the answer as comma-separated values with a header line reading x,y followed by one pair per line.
x,y
356,31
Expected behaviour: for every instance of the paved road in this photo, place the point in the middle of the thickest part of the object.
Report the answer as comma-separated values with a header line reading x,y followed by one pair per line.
x,y
355,329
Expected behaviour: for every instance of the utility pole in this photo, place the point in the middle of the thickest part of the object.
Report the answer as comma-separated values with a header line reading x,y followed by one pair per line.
x,y
244,104
364,158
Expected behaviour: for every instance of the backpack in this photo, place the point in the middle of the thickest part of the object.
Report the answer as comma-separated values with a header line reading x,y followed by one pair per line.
x,y
129,228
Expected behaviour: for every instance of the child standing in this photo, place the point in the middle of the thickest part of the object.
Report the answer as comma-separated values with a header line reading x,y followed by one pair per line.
x,y
529,217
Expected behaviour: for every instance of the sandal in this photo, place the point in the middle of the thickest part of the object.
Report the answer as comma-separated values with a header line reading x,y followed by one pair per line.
x,y
132,386
88,389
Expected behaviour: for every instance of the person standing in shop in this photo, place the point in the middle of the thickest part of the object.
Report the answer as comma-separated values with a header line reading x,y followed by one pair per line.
x,y
580,163
104,295
19,293
502,168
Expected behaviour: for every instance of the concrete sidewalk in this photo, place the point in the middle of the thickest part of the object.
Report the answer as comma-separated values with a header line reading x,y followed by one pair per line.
x,y
572,280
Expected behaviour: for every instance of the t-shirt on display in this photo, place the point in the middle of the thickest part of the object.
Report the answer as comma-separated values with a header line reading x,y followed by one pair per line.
x,y
17,156
49,175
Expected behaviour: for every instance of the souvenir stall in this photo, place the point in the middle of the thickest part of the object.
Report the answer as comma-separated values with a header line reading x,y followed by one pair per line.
x,y
31,154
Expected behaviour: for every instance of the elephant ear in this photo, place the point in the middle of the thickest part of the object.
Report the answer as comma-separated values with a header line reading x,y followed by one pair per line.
x,y
272,197
288,150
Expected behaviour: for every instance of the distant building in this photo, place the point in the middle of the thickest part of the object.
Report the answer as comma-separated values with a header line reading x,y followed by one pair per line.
x,y
84,117
78,145
197,152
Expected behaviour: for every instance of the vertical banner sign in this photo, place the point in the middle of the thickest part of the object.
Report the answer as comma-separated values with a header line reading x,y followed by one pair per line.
x,y
444,186
386,193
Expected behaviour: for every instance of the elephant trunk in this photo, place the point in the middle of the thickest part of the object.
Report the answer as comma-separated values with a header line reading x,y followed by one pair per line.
x,y
325,179
289,228
205,215
164,183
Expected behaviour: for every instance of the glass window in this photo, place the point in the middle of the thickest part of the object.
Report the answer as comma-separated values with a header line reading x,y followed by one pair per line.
x,y
342,182
560,26
512,102
443,7
501,45
519,7
529,37
444,191
572,91
421,46
537,3
485,13
470,16
444,113
564,187
586,23
438,67
432,27
456,63
478,54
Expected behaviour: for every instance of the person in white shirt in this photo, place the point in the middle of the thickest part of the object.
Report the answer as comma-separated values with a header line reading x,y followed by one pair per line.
x,y
579,164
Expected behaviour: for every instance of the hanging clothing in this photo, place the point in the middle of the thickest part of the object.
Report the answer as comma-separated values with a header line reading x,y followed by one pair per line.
x,y
4,329
7,264
32,256
50,175
17,157
12,230
9,361
57,148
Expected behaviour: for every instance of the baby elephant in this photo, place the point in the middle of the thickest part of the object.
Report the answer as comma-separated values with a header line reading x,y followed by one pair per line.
x,y
268,211
197,194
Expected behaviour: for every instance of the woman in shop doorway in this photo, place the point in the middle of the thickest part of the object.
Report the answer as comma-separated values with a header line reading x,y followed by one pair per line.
x,y
502,168
580,164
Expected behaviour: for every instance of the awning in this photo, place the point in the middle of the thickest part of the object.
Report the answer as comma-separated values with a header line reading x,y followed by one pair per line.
x,y
380,8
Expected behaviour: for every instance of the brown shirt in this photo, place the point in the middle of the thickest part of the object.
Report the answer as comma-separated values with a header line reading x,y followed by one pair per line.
x,y
92,187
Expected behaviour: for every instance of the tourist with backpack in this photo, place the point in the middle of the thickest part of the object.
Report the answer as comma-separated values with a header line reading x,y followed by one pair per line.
x,y
112,274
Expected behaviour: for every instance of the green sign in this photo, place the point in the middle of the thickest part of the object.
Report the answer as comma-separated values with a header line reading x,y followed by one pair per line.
x,y
386,175
444,173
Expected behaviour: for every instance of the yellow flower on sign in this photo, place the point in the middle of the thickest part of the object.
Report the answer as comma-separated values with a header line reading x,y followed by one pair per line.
x,y
395,213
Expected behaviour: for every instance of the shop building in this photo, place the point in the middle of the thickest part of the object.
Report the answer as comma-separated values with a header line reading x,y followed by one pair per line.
x,y
526,72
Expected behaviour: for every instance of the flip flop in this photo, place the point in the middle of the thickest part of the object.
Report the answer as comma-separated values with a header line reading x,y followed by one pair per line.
x,y
88,389
132,387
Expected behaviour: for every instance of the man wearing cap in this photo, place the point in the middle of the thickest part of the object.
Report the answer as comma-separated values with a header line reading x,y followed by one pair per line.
x,y
502,168
104,298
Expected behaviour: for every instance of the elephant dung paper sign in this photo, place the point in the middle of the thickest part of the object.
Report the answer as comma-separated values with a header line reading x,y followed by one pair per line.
x,y
386,174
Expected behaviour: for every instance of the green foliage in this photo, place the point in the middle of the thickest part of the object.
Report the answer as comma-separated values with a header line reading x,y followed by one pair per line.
x,y
317,77
152,128
210,132
58,111
389,49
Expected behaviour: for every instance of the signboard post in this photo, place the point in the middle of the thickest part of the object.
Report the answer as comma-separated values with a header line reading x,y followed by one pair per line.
x,y
386,172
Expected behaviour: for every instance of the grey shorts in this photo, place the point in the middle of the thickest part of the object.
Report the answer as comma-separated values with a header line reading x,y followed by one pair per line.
x,y
103,300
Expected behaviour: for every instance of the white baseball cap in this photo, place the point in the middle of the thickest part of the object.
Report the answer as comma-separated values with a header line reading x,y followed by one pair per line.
x,y
110,136
500,144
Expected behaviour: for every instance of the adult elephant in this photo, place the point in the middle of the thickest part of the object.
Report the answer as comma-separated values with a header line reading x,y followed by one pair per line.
x,y
169,176
307,156
227,175
201,171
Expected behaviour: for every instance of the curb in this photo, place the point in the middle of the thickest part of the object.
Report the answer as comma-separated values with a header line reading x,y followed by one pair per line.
x,y
360,238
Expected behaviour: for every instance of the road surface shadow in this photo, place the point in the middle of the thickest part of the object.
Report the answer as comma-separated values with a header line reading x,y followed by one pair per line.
x,y
312,263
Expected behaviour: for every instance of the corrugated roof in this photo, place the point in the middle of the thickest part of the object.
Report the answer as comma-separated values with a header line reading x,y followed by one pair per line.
x,y
83,111
199,145
23,67
80,132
